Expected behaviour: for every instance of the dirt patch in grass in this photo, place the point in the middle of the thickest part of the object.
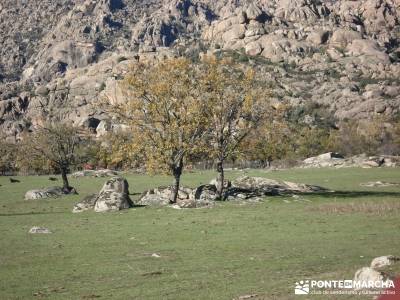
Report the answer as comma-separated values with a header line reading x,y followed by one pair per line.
x,y
374,208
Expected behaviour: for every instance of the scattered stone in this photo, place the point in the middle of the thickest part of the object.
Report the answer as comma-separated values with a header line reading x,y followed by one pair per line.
x,y
253,12
324,160
369,49
378,184
249,189
86,204
343,37
43,230
51,192
374,273
187,198
227,183
372,163
42,91
175,206
195,203
318,37
367,274
207,192
253,48
151,198
245,297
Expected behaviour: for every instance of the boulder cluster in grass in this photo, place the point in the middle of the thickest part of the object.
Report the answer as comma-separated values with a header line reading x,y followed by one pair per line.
x,y
377,271
202,196
242,188
50,192
337,160
114,196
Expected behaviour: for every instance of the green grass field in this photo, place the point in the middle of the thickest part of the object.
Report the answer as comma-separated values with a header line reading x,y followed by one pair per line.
x,y
225,252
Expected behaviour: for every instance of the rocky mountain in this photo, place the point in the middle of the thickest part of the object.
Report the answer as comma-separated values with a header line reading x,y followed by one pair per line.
x,y
58,58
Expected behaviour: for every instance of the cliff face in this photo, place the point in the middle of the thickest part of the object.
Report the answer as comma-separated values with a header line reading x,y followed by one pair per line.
x,y
59,57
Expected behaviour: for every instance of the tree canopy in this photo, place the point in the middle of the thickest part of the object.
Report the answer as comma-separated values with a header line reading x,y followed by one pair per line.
x,y
56,143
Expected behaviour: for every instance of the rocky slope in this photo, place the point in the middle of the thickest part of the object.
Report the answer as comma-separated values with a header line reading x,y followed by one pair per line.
x,y
58,58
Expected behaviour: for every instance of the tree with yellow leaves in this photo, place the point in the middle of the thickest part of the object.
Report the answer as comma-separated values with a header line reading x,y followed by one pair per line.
x,y
273,139
164,114
235,104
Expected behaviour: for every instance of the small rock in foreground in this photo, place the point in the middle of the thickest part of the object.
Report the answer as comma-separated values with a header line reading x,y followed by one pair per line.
x,y
379,184
37,229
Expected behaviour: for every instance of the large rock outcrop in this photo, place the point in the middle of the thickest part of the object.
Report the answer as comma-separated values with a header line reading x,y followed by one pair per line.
x,y
114,196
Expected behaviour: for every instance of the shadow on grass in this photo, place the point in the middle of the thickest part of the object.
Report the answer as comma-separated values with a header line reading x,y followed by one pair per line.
x,y
354,194
135,194
31,214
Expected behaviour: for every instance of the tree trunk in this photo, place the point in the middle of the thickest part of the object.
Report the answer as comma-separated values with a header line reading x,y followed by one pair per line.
x,y
269,161
220,179
177,172
66,186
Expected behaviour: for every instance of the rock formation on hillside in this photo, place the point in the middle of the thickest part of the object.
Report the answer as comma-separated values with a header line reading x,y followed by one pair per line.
x,y
58,58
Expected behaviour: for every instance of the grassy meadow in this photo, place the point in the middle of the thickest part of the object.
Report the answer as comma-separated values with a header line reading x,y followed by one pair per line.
x,y
231,250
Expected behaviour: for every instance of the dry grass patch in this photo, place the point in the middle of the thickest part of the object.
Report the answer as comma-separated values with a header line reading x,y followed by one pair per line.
x,y
373,208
